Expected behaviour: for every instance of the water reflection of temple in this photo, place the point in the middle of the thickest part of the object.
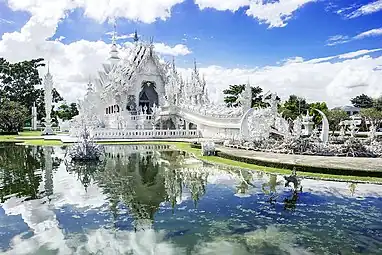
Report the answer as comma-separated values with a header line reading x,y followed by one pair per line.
x,y
143,180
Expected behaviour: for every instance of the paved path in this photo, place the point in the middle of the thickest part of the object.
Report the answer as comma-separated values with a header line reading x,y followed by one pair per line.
x,y
345,163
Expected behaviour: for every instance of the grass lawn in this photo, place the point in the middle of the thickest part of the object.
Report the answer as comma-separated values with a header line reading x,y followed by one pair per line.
x,y
11,138
30,133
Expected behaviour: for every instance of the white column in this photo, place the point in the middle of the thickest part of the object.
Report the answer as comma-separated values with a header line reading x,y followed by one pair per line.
x,y
48,86
34,117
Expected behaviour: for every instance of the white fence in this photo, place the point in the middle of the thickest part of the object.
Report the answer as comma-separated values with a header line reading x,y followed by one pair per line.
x,y
142,134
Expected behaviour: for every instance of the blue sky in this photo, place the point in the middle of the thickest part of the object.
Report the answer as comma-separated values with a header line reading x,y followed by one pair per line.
x,y
233,41
230,39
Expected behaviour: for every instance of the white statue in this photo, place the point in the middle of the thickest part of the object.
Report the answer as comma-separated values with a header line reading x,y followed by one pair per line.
x,y
353,128
325,127
48,87
372,132
297,127
307,122
342,132
34,117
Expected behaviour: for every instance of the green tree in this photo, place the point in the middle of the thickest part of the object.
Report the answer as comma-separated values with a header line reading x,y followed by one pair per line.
x,y
377,104
19,82
335,116
293,107
67,112
362,101
233,92
372,115
12,116
317,118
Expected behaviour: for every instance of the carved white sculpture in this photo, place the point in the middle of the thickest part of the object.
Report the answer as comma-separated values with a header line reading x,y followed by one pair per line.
x,y
34,117
325,127
307,122
48,87
372,132
208,148
342,132
353,128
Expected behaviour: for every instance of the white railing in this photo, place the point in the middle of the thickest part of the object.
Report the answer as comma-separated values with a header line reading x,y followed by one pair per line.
x,y
100,134
211,111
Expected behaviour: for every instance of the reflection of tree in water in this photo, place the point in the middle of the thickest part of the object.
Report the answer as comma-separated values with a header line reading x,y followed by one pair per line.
x,y
20,171
135,179
18,166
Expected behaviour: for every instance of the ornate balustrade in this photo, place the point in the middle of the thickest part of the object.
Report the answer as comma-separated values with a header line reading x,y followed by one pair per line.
x,y
211,111
100,134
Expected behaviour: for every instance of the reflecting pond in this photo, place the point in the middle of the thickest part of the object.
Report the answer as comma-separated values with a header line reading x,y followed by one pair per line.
x,y
153,200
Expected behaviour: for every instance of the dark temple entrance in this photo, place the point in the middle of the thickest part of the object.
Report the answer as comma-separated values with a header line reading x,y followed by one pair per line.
x,y
148,96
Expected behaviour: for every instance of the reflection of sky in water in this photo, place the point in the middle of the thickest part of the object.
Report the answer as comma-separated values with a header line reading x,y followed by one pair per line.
x,y
231,213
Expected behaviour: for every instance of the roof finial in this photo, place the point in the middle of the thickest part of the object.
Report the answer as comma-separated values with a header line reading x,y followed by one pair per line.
x,y
114,38
195,68
48,67
136,37
173,64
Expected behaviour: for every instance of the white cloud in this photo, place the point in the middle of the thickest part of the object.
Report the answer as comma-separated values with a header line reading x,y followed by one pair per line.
x,y
122,37
366,9
273,13
340,39
222,5
333,79
369,33
337,39
70,64
60,38
5,21
177,50
357,53
276,14
146,11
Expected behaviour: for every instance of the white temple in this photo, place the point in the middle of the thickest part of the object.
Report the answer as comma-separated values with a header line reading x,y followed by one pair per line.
x,y
140,96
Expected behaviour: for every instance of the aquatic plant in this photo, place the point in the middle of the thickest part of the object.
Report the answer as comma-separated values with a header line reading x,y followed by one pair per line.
x,y
86,149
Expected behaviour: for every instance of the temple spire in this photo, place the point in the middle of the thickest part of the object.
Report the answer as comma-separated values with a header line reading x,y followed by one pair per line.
x,y
173,65
114,38
136,38
195,67
114,58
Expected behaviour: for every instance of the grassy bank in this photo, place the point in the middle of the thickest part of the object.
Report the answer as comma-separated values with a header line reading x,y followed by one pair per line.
x,y
12,138
211,159
233,163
